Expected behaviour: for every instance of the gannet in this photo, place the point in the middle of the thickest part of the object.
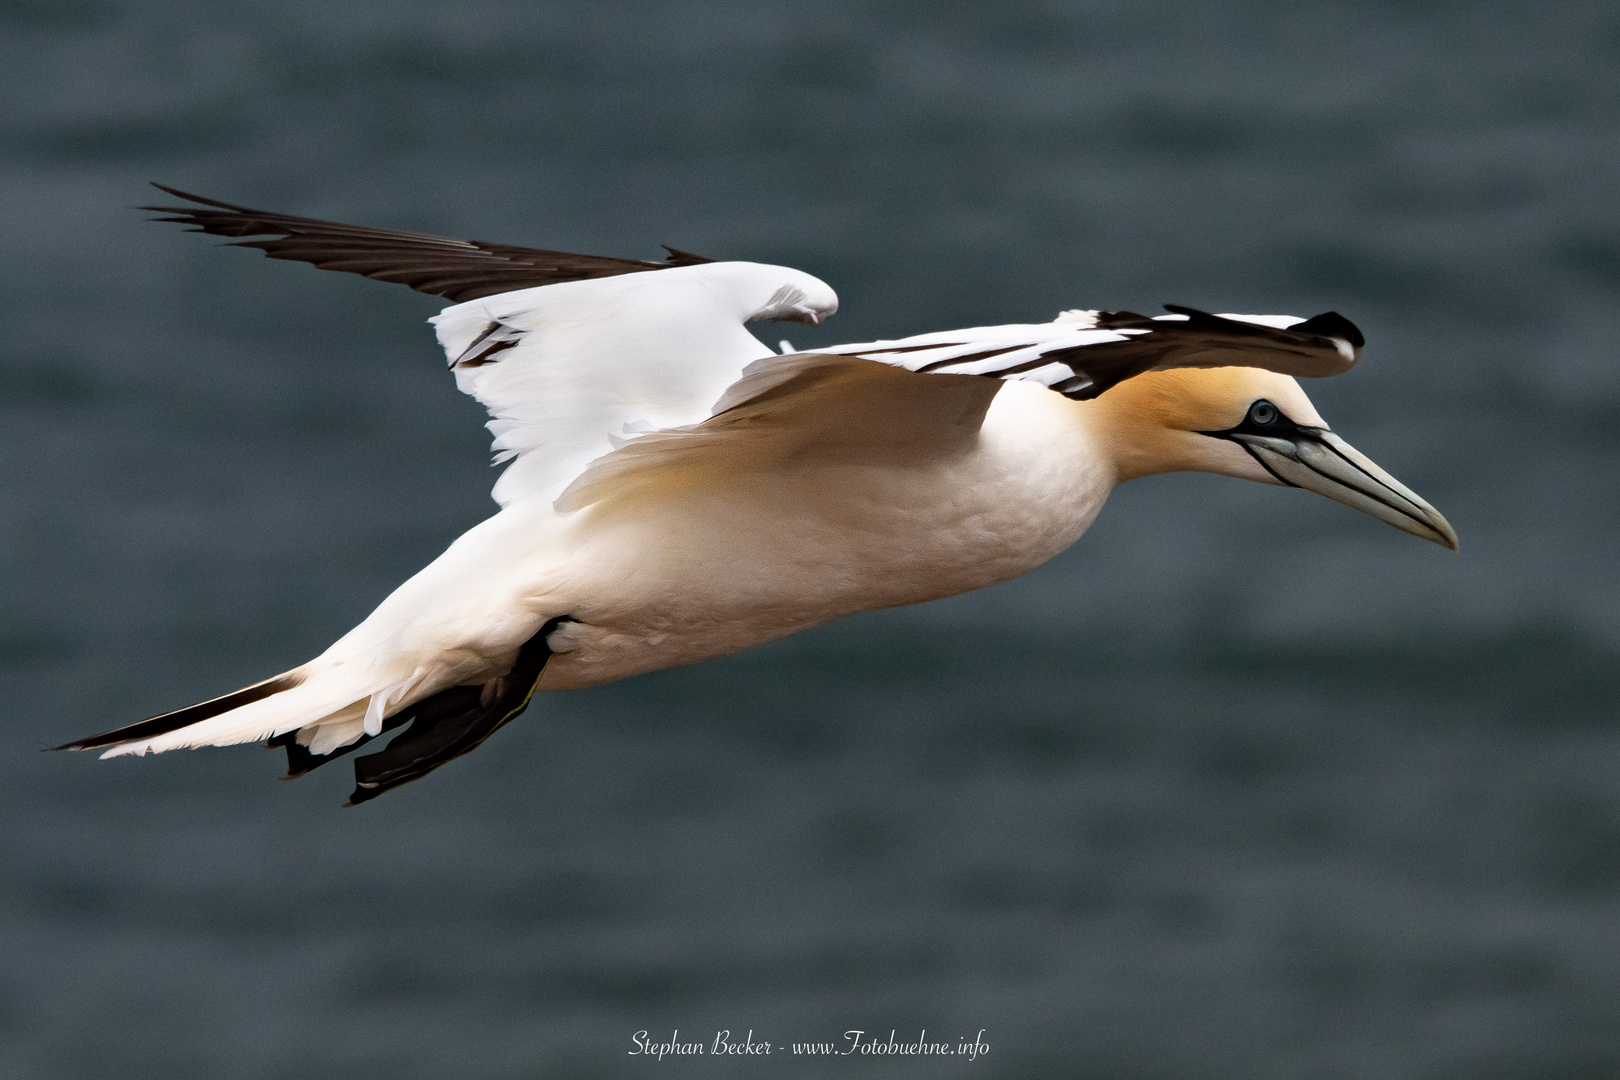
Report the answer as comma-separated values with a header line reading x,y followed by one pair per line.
x,y
676,490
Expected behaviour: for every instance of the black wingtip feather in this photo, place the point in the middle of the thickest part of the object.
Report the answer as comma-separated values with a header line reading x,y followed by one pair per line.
x,y
1332,325
457,270
677,257
1329,324
177,193
1192,312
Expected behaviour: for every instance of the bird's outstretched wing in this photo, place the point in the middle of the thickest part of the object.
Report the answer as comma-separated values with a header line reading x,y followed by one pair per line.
x,y
865,403
1083,353
569,353
457,270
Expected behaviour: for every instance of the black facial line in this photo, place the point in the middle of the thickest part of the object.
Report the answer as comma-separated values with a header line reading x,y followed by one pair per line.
x,y
1283,480
1280,428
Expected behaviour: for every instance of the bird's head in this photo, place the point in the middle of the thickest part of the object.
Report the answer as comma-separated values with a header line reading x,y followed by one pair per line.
x,y
1253,424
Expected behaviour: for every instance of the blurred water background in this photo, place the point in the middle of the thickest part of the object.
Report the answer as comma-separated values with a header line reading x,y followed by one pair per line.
x,y
1245,786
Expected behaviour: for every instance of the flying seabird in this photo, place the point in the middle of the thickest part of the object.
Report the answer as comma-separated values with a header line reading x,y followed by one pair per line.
x,y
677,491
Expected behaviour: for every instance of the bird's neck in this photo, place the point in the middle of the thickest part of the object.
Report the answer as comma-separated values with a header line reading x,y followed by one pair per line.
x,y
1133,427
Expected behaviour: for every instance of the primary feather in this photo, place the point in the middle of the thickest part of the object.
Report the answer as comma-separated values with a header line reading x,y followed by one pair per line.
x,y
454,269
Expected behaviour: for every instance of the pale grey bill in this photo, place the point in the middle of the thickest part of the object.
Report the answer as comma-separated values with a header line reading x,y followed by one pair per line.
x,y
1322,462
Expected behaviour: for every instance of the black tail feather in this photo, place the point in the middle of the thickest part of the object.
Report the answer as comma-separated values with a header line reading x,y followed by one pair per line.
x,y
451,723
191,714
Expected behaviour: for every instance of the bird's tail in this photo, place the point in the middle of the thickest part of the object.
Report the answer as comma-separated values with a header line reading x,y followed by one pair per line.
x,y
317,716
289,701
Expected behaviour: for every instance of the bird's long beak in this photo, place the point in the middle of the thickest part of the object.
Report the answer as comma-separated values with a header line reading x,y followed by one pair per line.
x,y
1317,459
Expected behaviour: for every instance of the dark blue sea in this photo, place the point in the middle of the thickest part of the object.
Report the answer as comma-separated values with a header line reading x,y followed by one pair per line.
x,y
1245,786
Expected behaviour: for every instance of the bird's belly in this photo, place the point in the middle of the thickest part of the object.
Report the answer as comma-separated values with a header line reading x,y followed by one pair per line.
x,y
761,557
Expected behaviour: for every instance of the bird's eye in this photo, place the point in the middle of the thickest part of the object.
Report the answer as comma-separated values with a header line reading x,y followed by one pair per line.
x,y
1262,414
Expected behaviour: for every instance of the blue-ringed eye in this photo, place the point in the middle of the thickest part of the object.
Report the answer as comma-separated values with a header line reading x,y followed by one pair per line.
x,y
1263,414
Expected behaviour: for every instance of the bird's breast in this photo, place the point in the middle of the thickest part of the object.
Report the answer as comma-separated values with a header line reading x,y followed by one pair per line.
x,y
759,555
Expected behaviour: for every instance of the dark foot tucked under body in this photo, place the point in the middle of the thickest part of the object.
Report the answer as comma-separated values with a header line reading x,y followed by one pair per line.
x,y
443,727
